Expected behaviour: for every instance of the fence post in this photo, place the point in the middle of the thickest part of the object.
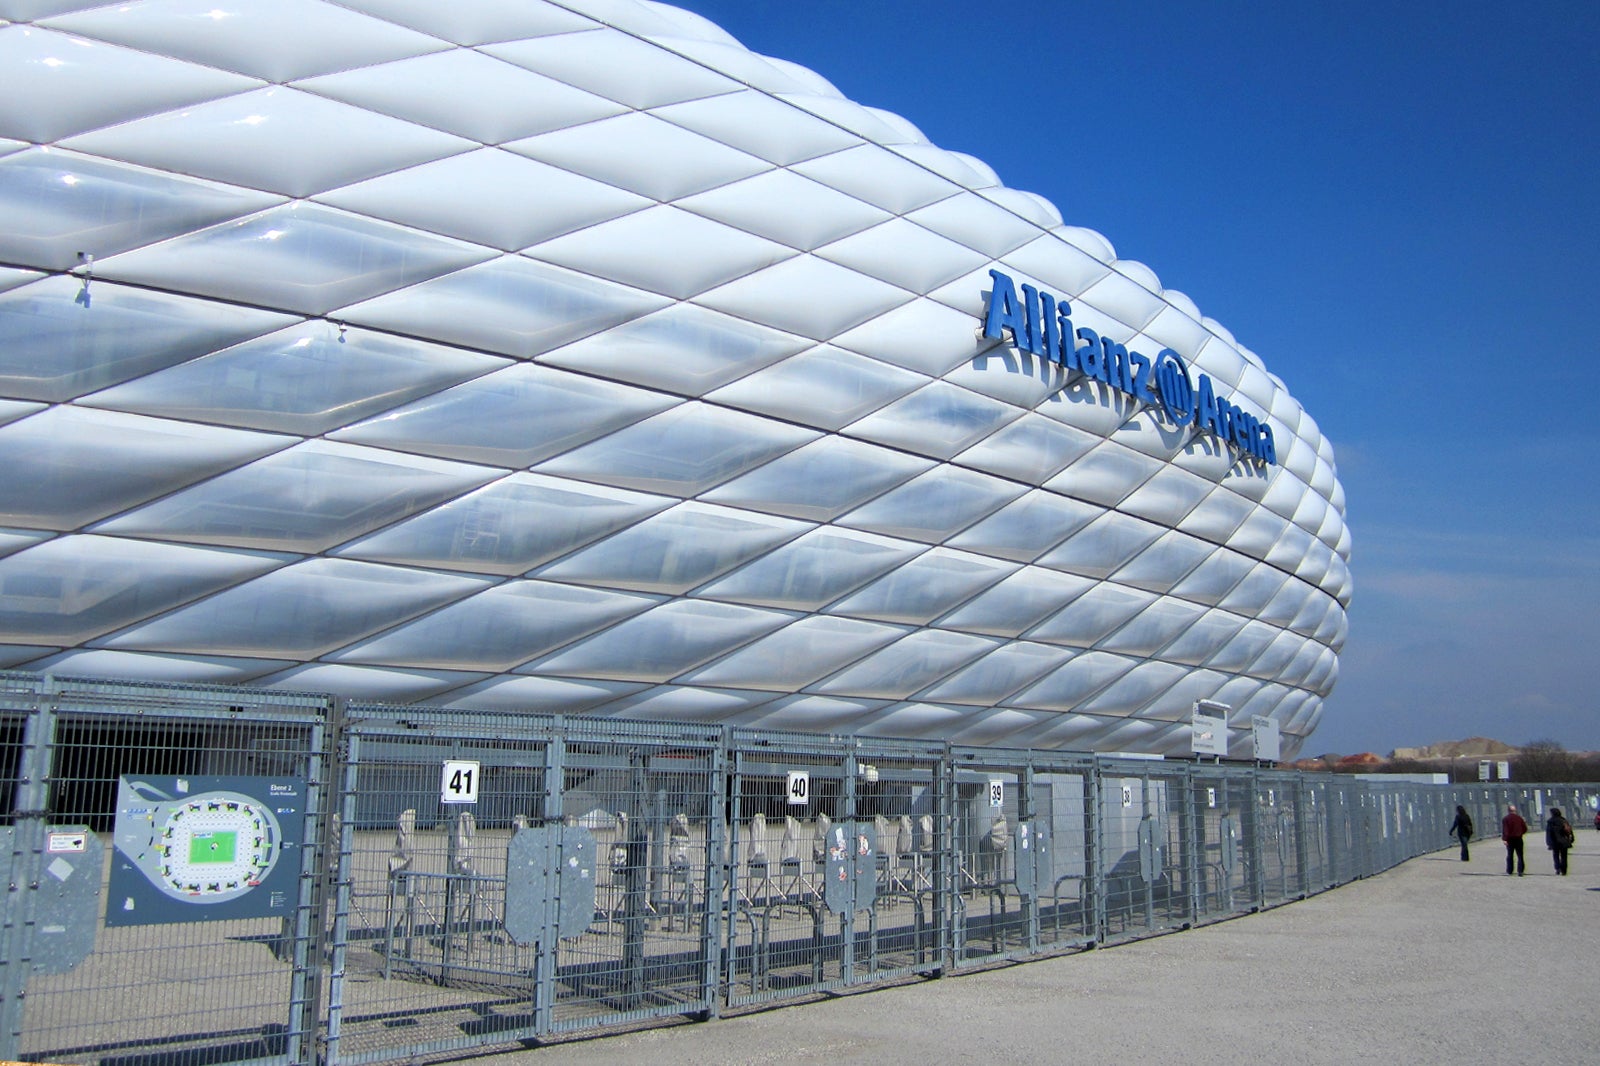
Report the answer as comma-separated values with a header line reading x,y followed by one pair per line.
x,y
341,796
312,943
944,874
27,845
716,894
1094,853
847,968
1302,848
1025,817
544,957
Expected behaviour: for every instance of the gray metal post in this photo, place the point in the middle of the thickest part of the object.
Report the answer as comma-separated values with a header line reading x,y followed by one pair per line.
x,y
312,943
728,860
944,871
344,772
847,921
544,954
1302,846
716,893
27,845
1147,828
1026,816
1094,855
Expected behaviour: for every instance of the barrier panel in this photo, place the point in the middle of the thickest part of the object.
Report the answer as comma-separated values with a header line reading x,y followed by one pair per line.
x,y
507,877
1225,843
1065,809
1278,840
210,876
167,838
835,870
1145,873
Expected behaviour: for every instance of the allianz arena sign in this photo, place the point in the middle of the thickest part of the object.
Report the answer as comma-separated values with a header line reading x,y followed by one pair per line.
x,y
1042,324
574,359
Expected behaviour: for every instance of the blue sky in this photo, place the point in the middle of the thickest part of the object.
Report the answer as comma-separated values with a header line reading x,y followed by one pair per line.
x,y
1395,206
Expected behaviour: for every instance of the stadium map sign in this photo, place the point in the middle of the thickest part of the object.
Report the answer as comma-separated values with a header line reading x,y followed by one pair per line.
x,y
203,848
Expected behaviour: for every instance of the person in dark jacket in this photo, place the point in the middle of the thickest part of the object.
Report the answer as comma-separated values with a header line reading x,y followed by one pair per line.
x,y
1558,837
1462,827
1512,830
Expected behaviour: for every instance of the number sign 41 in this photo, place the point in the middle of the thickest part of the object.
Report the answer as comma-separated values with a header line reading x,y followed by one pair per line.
x,y
459,782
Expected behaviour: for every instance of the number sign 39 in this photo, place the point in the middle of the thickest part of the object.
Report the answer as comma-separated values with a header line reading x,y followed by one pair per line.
x,y
459,783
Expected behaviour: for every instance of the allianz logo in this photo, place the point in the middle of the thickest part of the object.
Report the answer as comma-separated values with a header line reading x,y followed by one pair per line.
x,y
1041,323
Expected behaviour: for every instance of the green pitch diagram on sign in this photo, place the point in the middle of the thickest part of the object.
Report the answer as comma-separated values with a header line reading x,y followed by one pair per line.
x,y
200,848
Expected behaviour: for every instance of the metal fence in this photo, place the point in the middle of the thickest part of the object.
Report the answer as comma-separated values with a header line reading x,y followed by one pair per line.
x,y
216,875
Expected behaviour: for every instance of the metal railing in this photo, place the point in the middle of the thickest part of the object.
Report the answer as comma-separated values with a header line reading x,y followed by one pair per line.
x,y
217,875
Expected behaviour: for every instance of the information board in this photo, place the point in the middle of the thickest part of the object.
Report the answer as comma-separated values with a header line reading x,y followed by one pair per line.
x,y
188,849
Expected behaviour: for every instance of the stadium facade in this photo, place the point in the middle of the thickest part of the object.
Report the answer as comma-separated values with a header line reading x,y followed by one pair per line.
x,y
570,357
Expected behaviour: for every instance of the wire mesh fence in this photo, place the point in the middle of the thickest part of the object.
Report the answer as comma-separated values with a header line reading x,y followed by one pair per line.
x,y
207,876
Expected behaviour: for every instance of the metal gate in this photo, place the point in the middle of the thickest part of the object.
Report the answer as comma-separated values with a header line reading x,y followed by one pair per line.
x,y
1147,882
167,838
836,866
504,878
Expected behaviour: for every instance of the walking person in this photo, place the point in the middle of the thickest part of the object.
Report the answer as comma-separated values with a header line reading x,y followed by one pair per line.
x,y
1512,830
1462,827
1558,838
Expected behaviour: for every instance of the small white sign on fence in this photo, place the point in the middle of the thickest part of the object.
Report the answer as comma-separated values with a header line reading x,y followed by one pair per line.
x,y
459,782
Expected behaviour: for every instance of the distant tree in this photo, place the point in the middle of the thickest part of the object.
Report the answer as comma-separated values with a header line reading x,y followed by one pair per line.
x,y
1588,767
1545,761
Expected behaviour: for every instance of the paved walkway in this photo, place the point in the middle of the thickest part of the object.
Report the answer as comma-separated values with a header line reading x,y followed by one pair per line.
x,y
1434,962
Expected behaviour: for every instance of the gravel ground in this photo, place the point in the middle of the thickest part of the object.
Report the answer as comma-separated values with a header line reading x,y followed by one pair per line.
x,y
1435,961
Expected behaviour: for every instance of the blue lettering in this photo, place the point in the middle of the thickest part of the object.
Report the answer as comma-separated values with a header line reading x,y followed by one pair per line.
x,y
1244,430
1205,406
1041,324
1003,312
1141,378
1117,372
1047,316
1092,356
1065,353
1030,318
1252,435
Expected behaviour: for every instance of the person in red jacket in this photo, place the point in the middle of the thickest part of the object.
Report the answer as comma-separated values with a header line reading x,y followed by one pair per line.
x,y
1512,830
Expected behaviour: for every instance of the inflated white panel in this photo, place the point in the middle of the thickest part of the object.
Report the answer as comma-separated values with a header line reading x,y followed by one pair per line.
x,y
71,85
277,140
817,214
644,249
280,41
643,154
618,67
507,201
526,103
477,23
754,122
